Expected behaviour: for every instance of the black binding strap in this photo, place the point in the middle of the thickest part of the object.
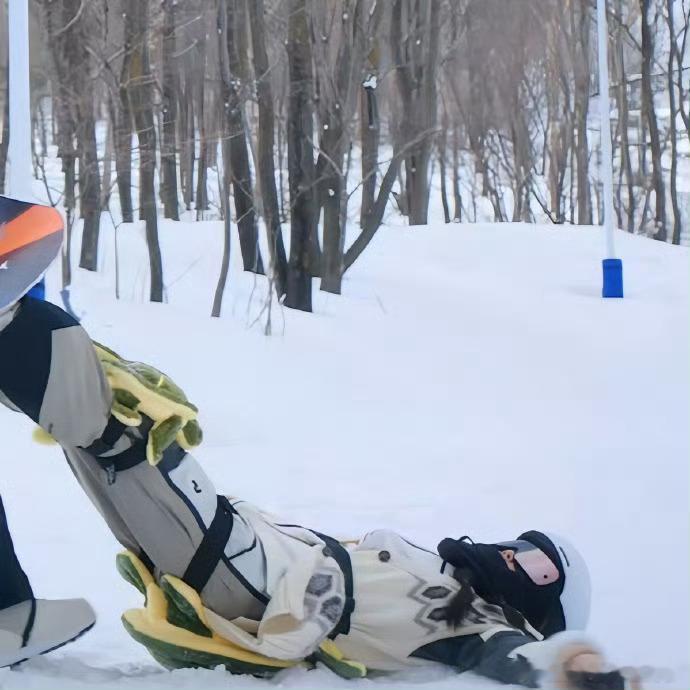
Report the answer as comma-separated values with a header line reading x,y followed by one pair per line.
x,y
131,456
110,436
29,627
212,546
335,549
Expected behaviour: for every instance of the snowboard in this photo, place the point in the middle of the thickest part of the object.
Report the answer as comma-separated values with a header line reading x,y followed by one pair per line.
x,y
30,239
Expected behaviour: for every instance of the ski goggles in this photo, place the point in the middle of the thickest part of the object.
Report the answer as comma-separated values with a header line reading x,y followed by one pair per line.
x,y
532,560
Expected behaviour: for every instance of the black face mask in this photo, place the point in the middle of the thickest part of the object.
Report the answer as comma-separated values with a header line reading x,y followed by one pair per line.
x,y
494,582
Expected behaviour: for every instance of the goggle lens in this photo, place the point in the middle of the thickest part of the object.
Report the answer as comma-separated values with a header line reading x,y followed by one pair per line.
x,y
533,561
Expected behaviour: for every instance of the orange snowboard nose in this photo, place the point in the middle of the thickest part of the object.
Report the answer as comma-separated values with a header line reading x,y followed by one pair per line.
x,y
34,224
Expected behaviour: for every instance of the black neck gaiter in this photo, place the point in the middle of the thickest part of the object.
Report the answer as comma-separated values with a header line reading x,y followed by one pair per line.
x,y
494,582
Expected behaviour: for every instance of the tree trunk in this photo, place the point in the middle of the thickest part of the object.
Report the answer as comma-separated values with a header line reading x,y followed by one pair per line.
x,y
77,62
140,89
123,146
581,32
649,115
42,130
624,126
168,183
414,41
202,162
281,153
338,103
559,125
227,229
64,124
457,198
442,172
5,134
370,132
680,53
89,184
375,218
107,181
300,157
673,134
265,139
236,165
332,263
186,145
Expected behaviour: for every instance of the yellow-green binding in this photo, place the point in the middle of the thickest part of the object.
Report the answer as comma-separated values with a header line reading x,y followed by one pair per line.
x,y
329,655
173,657
133,570
181,612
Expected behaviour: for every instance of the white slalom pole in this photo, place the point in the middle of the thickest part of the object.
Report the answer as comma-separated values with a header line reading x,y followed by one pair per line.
x,y
19,152
613,269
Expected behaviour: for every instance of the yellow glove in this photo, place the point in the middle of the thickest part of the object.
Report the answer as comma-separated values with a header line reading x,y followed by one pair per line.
x,y
173,627
42,437
141,389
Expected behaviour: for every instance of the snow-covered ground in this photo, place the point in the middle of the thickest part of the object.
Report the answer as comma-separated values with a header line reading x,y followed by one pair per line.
x,y
469,381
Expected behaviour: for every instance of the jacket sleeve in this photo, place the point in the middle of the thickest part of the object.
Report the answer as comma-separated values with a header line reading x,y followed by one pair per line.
x,y
50,372
507,656
491,657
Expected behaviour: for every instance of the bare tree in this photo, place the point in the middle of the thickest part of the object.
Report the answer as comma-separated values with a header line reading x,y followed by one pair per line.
x,y
673,134
169,93
72,37
370,132
237,164
580,28
265,138
337,105
649,115
140,82
200,110
190,17
300,157
413,40
4,131
682,37
623,126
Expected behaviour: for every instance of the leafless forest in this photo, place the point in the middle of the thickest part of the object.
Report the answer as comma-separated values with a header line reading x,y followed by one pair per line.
x,y
314,118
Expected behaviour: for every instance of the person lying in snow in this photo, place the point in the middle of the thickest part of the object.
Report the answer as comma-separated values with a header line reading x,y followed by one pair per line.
x,y
226,584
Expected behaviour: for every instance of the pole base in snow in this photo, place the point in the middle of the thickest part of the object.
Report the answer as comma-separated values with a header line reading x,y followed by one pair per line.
x,y
613,278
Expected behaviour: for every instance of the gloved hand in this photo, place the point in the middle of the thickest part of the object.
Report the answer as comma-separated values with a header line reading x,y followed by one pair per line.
x,y
583,669
42,437
141,389
173,627
604,680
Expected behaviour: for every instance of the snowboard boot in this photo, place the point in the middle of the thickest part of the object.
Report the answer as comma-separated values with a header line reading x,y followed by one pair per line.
x,y
37,626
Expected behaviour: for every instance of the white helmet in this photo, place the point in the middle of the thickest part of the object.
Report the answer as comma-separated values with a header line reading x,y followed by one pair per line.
x,y
576,594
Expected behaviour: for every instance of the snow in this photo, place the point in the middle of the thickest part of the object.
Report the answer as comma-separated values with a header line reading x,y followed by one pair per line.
x,y
470,380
